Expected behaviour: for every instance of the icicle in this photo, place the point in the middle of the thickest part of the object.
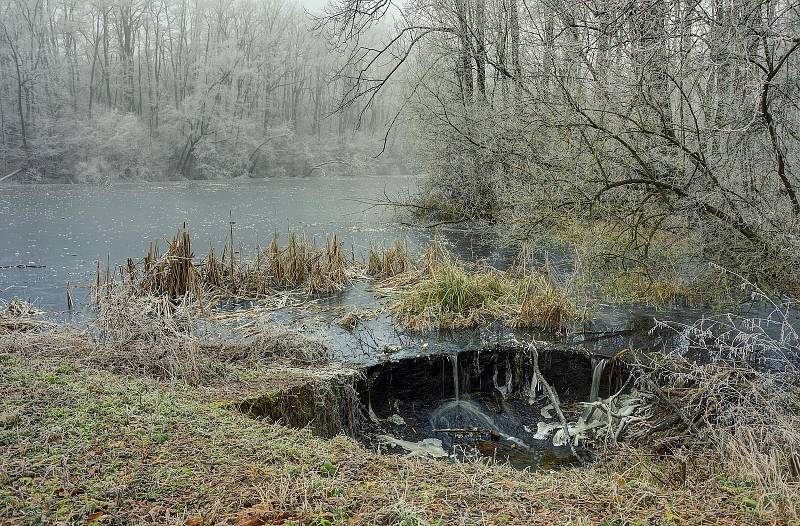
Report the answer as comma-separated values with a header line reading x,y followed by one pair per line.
x,y
509,387
534,390
371,413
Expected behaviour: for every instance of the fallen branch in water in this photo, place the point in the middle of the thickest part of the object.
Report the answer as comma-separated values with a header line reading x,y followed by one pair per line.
x,y
553,396
9,176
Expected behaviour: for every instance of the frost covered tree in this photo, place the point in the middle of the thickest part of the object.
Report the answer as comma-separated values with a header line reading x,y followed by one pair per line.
x,y
217,89
659,115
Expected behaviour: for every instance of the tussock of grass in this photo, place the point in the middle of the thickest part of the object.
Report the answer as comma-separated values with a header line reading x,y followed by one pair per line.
x,y
451,296
389,261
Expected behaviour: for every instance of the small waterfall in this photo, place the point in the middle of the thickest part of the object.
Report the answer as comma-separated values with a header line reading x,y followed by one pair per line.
x,y
456,385
461,414
597,374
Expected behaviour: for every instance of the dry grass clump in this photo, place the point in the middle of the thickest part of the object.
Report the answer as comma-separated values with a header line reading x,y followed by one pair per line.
x,y
545,304
453,296
442,292
272,343
389,261
20,316
329,271
173,274
161,337
735,390
151,336
298,266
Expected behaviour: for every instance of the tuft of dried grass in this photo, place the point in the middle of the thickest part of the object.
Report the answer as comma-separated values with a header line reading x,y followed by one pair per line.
x,y
173,274
329,271
388,262
20,316
453,296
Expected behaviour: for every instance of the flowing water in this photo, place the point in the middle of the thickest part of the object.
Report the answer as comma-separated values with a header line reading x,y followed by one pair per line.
x,y
597,373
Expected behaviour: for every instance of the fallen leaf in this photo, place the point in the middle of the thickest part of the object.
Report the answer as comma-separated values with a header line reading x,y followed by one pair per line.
x,y
251,521
95,516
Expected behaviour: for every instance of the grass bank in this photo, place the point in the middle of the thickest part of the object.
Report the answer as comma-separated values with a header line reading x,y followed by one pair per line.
x,y
83,443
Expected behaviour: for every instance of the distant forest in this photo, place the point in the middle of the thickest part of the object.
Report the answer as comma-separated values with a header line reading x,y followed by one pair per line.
x,y
155,89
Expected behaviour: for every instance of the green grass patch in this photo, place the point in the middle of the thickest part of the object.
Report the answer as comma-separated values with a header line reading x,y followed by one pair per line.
x,y
451,296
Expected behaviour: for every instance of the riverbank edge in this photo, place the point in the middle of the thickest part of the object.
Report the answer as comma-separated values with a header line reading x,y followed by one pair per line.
x,y
85,443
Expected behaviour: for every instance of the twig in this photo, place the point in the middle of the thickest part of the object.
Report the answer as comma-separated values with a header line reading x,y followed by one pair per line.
x,y
12,174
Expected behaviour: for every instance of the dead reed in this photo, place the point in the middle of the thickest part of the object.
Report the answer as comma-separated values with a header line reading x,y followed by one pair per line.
x,y
176,274
173,275
20,316
389,261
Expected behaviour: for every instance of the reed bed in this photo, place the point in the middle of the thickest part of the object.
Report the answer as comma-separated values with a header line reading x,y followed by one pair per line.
x,y
388,262
438,291
299,266
443,292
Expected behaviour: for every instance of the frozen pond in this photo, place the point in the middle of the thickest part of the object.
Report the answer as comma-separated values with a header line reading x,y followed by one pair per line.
x,y
51,235
54,235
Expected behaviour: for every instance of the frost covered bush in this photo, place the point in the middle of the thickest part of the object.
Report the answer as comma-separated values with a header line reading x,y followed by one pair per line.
x,y
732,384
109,146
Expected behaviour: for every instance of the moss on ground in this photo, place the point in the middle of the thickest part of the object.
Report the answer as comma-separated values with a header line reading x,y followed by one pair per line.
x,y
85,445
